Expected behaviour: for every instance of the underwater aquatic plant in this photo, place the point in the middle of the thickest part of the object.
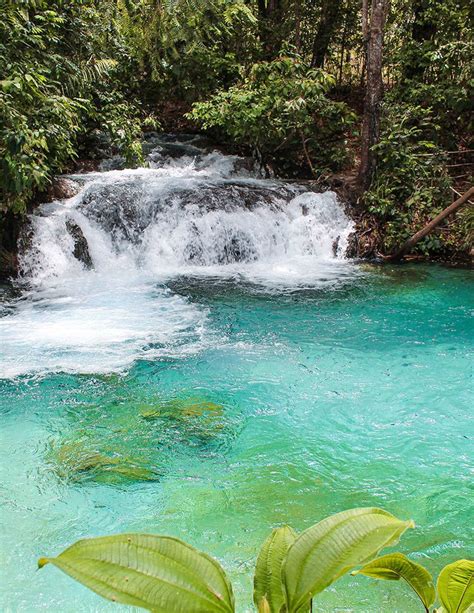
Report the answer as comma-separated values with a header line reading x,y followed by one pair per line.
x,y
129,441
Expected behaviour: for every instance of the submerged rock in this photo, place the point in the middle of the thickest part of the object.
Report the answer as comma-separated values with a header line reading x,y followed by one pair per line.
x,y
183,409
76,462
192,421
81,247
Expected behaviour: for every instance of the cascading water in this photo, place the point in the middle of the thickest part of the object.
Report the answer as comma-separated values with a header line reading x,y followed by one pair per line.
x,y
186,217
96,265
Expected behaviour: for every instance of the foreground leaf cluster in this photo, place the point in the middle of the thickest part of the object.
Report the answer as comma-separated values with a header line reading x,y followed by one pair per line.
x,y
166,575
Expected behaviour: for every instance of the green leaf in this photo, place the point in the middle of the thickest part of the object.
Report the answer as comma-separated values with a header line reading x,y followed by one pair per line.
x,y
456,586
159,573
268,590
395,566
327,550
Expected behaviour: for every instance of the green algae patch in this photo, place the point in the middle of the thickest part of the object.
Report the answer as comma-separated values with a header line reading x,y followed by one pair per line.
x,y
134,441
187,411
193,421
76,462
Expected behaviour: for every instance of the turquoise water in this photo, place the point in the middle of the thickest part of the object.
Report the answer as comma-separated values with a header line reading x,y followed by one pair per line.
x,y
300,403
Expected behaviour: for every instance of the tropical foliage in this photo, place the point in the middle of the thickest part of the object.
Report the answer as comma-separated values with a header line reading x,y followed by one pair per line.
x,y
188,48
166,575
282,80
282,106
61,79
411,184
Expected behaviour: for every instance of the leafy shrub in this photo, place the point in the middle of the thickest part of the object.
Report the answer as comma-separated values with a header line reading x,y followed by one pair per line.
x,y
437,69
119,124
36,139
282,106
55,87
164,574
411,185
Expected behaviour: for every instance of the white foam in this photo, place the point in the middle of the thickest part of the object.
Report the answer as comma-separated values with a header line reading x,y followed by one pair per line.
x,y
89,324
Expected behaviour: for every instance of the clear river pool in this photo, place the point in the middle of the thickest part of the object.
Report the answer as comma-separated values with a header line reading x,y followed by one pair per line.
x,y
218,368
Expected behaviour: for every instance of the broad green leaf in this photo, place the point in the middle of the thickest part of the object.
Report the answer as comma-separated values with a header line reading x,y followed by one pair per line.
x,y
159,573
268,590
456,586
395,566
327,550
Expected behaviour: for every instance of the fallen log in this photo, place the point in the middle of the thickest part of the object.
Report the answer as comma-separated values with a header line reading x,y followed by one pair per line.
x,y
412,241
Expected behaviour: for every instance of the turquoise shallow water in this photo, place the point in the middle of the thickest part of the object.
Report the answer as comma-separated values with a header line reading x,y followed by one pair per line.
x,y
299,404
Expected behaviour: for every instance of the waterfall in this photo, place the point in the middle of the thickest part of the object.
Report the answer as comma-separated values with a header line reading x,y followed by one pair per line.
x,y
95,267
185,214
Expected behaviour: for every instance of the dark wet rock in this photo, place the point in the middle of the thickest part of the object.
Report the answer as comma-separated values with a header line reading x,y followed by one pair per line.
x,y
25,237
81,248
86,165
8,263
15,237
123,210
173,150
126,209
238,249
62,188
231,196
352,248
161,146
116,162
247,164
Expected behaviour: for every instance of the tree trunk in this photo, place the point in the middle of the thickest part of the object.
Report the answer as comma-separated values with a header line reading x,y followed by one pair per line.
x,y
365,22
373,91
365,37
331,14
298,26
411,242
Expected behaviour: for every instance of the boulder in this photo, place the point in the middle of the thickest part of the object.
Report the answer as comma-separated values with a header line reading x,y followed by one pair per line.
x,y
81,248
63,188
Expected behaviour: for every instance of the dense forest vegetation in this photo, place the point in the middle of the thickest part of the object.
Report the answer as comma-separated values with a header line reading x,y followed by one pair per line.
x,y
372,97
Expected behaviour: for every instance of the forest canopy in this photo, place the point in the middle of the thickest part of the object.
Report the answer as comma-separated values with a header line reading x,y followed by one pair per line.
x,y
284,80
